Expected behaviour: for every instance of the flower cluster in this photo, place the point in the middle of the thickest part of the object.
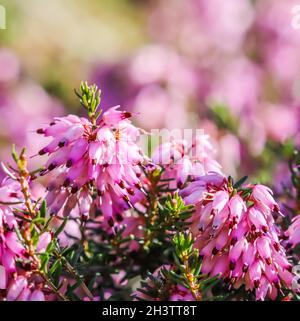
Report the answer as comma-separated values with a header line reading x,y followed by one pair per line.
x,y
237,235
17,260
182,160
97,164
293,232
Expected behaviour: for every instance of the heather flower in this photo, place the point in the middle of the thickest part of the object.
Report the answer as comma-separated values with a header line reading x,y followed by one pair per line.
x,y
236,234
16,277
97,164
20,289
182,160
293,232
10,247
180,293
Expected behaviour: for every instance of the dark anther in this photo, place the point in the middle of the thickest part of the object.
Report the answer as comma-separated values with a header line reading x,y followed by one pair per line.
x,y
232,265
245,268
121,184
130,191
215,251
51,167
111,222
13,194
119,217
288,246
74,190
138,185
127,114
69,163
269,261
276,246
40,131
61,144
233,240
126,198
42,151
66,182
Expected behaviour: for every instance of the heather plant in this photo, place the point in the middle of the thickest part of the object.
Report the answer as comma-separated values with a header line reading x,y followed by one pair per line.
x,y
116,224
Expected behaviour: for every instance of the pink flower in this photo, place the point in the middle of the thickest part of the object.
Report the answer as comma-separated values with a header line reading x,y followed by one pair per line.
x,y
10,193
182,159
97,298
13,243
37,295
25,295
16,287
3,277
20,289
293,232
96,165
18,283
237,235
180,293
10,246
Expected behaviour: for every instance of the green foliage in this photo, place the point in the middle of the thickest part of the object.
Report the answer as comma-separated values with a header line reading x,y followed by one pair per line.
x,y
185,271
240,182
188,267
155,287
89,96
294,165
223,118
